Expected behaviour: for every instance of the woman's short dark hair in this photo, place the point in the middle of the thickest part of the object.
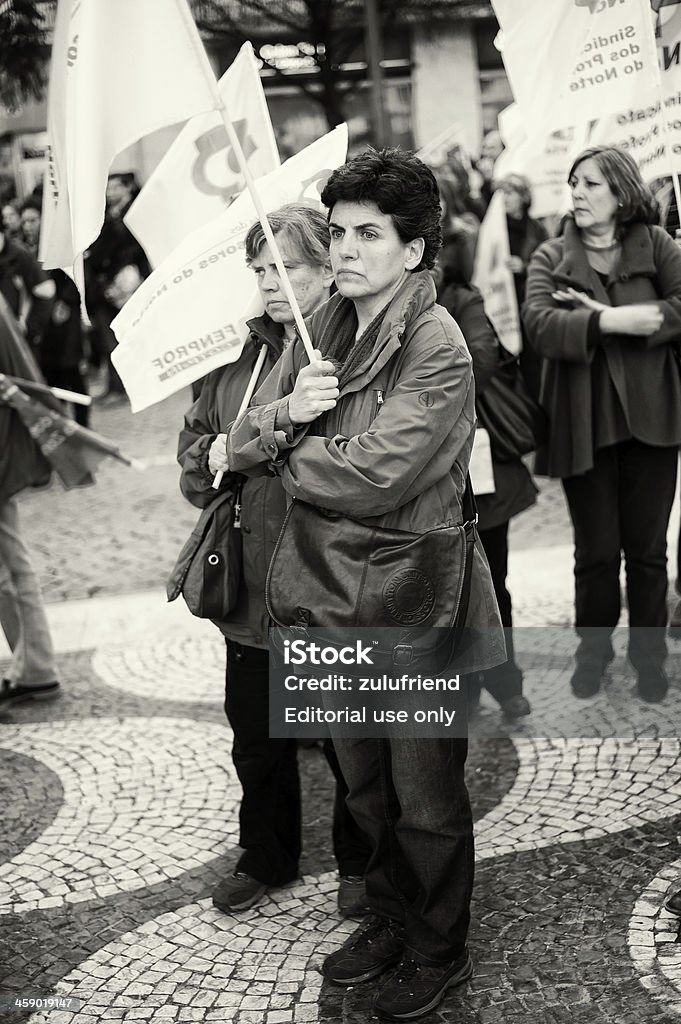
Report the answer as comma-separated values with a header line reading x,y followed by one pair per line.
x,y
306,228
401,185
636,201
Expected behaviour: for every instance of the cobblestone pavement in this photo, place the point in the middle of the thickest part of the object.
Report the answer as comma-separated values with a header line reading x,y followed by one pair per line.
x,y
120,803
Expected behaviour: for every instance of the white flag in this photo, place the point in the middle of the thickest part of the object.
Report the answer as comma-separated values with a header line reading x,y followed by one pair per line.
x,y
120,70
543,159
493,277
199,175
570,59
189,316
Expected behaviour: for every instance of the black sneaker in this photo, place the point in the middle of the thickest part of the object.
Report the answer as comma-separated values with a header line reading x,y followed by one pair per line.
x,y
18,693
586,679
652,684
673,904
352,896
238,892
416,988
371,949
516,707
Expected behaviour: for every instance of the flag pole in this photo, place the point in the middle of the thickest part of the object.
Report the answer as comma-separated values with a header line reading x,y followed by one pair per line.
x,y
221,108
269,234
44,389
248,394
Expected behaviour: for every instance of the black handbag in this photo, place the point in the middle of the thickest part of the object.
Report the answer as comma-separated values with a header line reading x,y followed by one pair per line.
x,y
329,571
208,568
515,422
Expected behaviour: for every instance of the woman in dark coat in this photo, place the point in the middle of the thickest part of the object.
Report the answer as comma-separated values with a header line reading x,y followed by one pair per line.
x,y
514,492
603,308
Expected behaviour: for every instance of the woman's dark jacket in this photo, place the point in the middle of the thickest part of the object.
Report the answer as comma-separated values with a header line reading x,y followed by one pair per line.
x,y
263,502
514,490
642,370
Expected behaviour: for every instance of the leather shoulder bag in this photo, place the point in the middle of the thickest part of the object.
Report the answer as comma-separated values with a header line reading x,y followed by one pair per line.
x,y
329,570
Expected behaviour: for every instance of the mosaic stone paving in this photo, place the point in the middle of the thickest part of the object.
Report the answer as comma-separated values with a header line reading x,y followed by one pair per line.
x,y
123,813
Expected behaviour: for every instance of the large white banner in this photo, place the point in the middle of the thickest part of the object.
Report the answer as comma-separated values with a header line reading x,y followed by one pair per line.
x,y
112,81
189,316
493,277
199,175
615,65
651,134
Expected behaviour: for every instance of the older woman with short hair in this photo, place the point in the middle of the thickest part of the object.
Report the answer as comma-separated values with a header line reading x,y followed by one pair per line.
x,y
270,813
603,308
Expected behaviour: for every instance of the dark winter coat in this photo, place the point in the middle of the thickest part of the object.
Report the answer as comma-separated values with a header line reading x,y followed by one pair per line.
x,y
643,371
514,490
394,451
263,501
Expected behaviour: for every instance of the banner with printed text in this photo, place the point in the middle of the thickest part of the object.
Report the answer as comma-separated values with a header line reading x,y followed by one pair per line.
x,y
188,317
493,276
651,136
615,64
199,176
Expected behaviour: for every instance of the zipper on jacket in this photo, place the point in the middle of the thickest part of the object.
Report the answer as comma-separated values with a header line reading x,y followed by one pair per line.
x,y
379,400
236,522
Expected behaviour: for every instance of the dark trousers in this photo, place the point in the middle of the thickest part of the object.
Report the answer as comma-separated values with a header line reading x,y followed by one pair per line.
x,y
71,379
502,681
410,797
622,505
270,813
102,344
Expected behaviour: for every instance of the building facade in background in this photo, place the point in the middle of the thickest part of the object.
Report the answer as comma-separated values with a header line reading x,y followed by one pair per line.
x,y
438,64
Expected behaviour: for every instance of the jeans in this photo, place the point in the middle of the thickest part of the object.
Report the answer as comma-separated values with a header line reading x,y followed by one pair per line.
x,y
22,613
270,812
410,797
621,505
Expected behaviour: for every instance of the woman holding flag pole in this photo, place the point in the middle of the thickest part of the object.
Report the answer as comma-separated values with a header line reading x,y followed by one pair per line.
x,y
379,426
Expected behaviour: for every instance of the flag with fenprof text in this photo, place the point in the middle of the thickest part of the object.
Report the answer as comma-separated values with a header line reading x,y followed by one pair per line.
x,y
188,317
493,276
199,175
120,69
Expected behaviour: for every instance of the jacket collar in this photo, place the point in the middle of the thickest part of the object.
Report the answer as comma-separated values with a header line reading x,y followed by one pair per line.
x,y
637,258
264,331
413,298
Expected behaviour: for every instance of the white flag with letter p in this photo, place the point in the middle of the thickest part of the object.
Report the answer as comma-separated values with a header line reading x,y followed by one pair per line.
x,y
189,316
493,276
112,81
199,175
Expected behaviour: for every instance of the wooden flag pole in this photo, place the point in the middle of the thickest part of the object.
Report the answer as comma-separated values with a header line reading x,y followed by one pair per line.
x,y
269,234
248,394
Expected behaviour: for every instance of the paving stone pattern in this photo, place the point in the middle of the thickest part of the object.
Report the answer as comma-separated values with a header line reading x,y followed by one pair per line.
x,y
120,810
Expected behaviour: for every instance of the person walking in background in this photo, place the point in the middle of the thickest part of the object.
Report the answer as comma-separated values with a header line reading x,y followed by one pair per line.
x,y
28,290
524,236
11,220
61,353
115,266
31,673
378,430
270,814
603,309
514,492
